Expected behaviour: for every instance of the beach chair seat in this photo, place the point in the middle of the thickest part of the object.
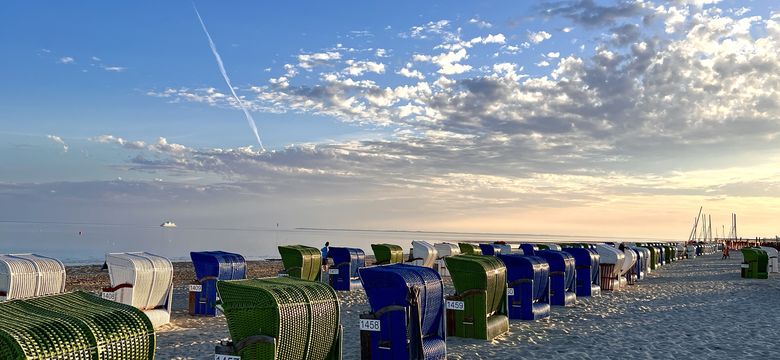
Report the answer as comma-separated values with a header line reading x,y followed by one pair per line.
x,y
611,265
423,254
443,250
29,275
211,266
528,277
387,254
300,261
772,254
529,249
408,302
563,277
281,318
755,263
490,249
479,308
469,249
75,325
588,271
344,274
142,280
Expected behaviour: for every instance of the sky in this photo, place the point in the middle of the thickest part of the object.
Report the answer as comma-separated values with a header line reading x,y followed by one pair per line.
x,y
584,117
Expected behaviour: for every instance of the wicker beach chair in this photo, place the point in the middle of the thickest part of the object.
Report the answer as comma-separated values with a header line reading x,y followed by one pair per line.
x,y
387,254
281,318
142,280
469,249
479,308
75,325
211,266
408,303
423,254
563,277
611,264
528,277
587,264
28,275
300,261
628,270
755,264
490,249
443,250
643,261
529,249
772,253
344,274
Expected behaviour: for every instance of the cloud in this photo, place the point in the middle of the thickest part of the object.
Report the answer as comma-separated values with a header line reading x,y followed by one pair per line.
x,y
407,71
110,139
590,14
482,24
114,68
58,140
357,68
538,36
67,60
309,61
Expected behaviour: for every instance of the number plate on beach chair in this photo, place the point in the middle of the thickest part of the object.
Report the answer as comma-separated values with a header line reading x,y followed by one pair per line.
x,y
510,291
196,288
108,295
455,305
370,325
333,271
226,357
745,266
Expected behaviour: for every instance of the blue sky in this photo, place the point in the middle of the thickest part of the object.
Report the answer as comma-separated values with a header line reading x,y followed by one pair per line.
x,y
435,115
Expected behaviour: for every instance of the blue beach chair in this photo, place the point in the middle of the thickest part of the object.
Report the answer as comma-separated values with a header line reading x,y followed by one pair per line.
x,y
529,279
490,249
408,302
588,277
344,274
562,277
529,249
211,266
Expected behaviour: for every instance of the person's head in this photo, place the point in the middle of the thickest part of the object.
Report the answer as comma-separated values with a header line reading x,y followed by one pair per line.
x,y
327,243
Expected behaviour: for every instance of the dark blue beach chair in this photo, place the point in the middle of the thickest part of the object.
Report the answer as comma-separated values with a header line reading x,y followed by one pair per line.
x,y
563,274
211,266
344,274
408,301
588,277
641,263
490,249
528,277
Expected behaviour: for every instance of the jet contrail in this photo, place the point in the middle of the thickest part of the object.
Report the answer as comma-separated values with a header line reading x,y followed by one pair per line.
x,y
249,117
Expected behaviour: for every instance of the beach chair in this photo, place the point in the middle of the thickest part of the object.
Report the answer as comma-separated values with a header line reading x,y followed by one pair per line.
x,y
75,325
443,250
668,254
528,286
690,251
211,266
300,261
563,277
506,249
343,275
587,265
611,264
469,249
29,275
478,309
490,249
772,253
280,318
529,249
423,254
387,254
407,313
755,263
643,261
628,270
142,280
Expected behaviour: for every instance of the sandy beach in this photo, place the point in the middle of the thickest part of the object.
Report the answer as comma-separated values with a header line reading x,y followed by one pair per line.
x,y
690,309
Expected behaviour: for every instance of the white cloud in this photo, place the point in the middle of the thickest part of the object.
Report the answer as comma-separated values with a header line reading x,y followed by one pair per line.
x,y
357,68
490,39
480,23
309,61
67,60
567,29
449,63
538,36
58,140
114,68
553,55
543,63
407,71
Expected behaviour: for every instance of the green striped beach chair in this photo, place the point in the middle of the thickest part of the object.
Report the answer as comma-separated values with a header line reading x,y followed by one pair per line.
x,y
387,254
303,262
478,310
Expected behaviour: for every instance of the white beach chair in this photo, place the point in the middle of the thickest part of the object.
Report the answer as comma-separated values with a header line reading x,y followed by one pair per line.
x,y
443,250
29,275
609,255
144,281
629,263
423,254
773,262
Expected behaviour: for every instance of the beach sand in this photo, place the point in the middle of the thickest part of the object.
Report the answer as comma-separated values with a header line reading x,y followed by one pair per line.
x,y
695,309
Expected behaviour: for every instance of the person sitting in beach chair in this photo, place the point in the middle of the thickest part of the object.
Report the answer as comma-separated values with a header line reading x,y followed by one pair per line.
x,y
407,313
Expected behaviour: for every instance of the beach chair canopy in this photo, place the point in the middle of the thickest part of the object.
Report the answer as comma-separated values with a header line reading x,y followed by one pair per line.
x,y
446,249
529,249
387,253
30,275
470,249
301,261
282,318
419,329
149,278
76,325
219,265
423,253
610,255
490,249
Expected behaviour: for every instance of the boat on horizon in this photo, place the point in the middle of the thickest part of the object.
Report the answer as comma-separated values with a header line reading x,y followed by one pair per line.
x,y
168,224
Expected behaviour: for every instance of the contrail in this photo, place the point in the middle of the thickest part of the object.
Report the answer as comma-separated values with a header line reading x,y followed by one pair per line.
x,y
249,117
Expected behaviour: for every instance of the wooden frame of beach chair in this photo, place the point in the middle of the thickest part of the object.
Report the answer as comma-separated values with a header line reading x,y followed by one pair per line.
x,y
29,275
443,250
142,280
281,318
